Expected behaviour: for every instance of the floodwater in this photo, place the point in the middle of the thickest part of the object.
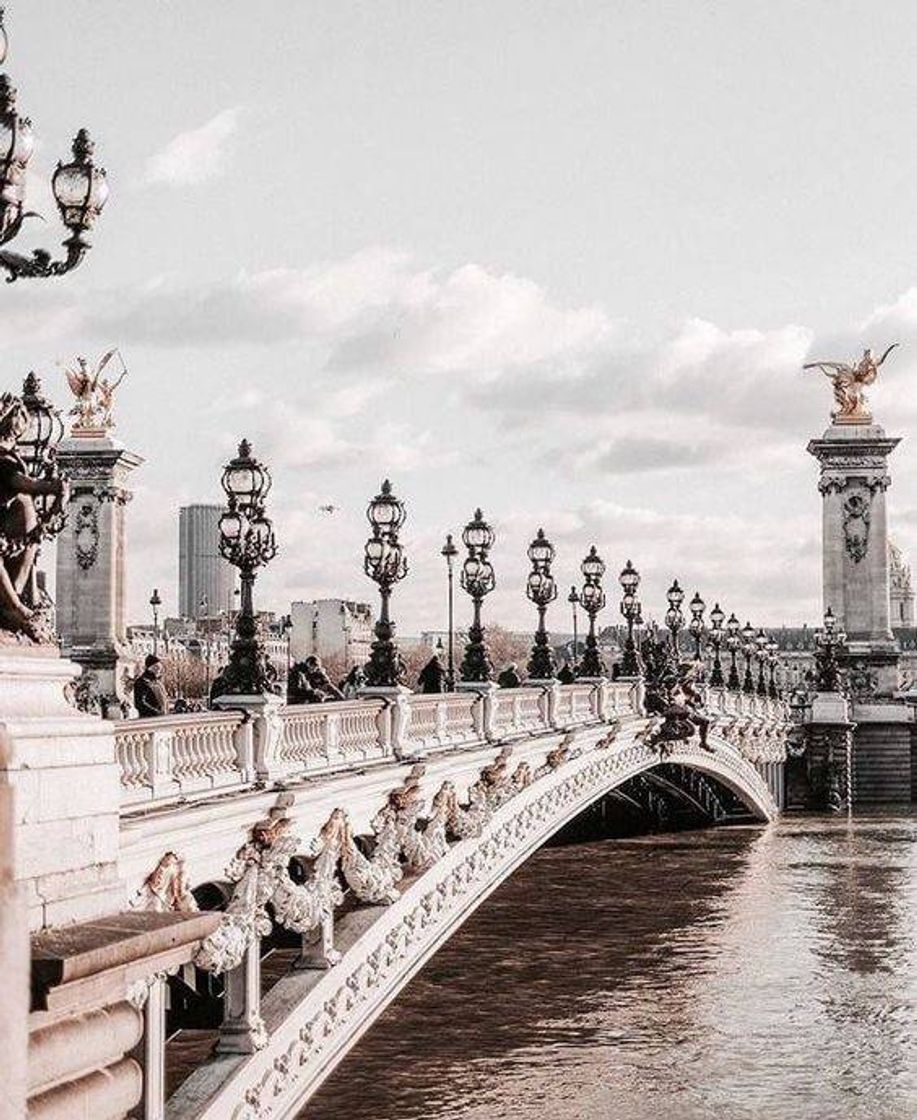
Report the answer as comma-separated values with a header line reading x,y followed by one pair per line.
x,y
735,974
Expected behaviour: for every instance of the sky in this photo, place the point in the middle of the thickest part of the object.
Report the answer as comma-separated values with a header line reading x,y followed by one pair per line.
x,y
562,260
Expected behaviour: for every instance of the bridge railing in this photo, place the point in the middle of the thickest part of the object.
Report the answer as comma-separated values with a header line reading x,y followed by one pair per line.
x,y
177,756
173,755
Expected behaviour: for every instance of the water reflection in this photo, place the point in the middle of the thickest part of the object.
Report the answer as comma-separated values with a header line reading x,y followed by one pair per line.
x,y
740,973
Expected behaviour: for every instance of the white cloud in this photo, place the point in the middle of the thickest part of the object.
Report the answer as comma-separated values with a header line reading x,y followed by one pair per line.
x,y
194,156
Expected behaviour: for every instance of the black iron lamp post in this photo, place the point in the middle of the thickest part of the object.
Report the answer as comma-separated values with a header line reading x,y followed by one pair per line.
x,y
761,648
155,603
696,627
630,610
449,551
593,599
79,188
574,600
717,618
772,659
247,541
674,619
828,642
748,652
477,579
542,591
733,644
385,564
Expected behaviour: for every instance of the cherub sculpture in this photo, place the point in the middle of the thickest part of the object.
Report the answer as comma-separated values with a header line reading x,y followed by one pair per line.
x,y
23,525
94,393
849,382
672,692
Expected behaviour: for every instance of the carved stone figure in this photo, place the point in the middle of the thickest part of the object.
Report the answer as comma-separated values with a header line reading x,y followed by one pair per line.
x,y
26,519
94,393
373,878
166,888
848,382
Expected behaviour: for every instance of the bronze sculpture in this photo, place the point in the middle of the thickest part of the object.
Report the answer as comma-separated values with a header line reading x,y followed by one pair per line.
x,y
848,382
26,519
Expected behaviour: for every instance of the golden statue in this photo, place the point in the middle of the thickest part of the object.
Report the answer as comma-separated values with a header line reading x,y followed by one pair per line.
x,y
94,393
849,382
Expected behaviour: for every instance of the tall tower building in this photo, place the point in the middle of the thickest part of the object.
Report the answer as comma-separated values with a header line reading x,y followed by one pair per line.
x,y
205,580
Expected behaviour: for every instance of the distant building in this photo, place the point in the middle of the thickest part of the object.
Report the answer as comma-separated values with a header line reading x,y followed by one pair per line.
x,y
338,628
901,594
205,580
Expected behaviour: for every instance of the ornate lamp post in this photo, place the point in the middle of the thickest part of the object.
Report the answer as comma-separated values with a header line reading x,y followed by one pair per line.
x,y
696,627
717,617
674,619
573,599
477,579
630,609
593,600
541,590
449,551
761,647
748,652
247,541
155,603
733,644
385,564
79,187
828,642
772,649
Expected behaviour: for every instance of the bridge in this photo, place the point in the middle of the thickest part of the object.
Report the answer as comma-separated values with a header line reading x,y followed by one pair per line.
x,y
343,843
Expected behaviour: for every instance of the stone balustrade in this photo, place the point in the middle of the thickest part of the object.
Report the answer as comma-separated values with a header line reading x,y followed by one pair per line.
x,y
177,756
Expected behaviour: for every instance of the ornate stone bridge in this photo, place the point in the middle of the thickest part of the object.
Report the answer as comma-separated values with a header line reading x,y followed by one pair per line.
x,y
352,839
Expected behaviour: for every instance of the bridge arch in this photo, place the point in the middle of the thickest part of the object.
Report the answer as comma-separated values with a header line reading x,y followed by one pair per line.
x,y
314,1019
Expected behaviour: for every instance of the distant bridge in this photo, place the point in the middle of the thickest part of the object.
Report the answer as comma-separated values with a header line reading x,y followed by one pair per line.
x,y
372,830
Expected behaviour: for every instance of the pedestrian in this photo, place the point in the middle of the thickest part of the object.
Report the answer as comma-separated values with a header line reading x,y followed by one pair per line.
x,y
510,678
432,676
565,676
150,697
320,682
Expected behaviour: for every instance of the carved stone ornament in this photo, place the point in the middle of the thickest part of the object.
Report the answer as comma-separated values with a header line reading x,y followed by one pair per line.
x,y
856,515
166,888
86,535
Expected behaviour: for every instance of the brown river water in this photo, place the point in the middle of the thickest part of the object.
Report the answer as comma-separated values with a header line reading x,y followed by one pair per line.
x,y
736,974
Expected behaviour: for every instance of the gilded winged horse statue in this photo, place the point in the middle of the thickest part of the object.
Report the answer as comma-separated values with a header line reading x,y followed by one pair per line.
x,y
94,393
849,383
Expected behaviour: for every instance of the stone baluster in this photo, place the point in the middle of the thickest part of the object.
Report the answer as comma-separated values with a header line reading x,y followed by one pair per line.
x,y
244,743
242,1030
152,1051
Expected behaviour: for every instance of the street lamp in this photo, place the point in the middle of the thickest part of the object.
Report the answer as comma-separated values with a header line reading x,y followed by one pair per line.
x,y
155,603
450,552
541,590
477,580
247,541
674,619
630,609
593,599
772,649
761,648
573,599
717,617
696,626
748,652
828,642
385,564
79,188
733,644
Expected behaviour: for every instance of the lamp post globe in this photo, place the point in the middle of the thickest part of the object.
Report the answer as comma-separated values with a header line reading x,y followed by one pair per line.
x,y
717,618
674,619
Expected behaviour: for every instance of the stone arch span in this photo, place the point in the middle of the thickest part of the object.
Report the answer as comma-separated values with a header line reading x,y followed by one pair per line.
x,y
314,1019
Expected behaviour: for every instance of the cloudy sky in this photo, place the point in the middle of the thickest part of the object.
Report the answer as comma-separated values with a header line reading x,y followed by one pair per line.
x,y
561,259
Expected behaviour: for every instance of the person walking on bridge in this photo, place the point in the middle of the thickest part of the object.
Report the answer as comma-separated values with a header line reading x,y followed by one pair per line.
x,y
150,697
432,676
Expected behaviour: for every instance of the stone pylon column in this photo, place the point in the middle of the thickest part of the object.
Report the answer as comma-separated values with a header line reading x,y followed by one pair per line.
x,y
854,478
91,557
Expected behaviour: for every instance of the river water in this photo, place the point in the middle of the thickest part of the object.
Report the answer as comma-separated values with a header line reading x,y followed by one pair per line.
x,y
736,974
